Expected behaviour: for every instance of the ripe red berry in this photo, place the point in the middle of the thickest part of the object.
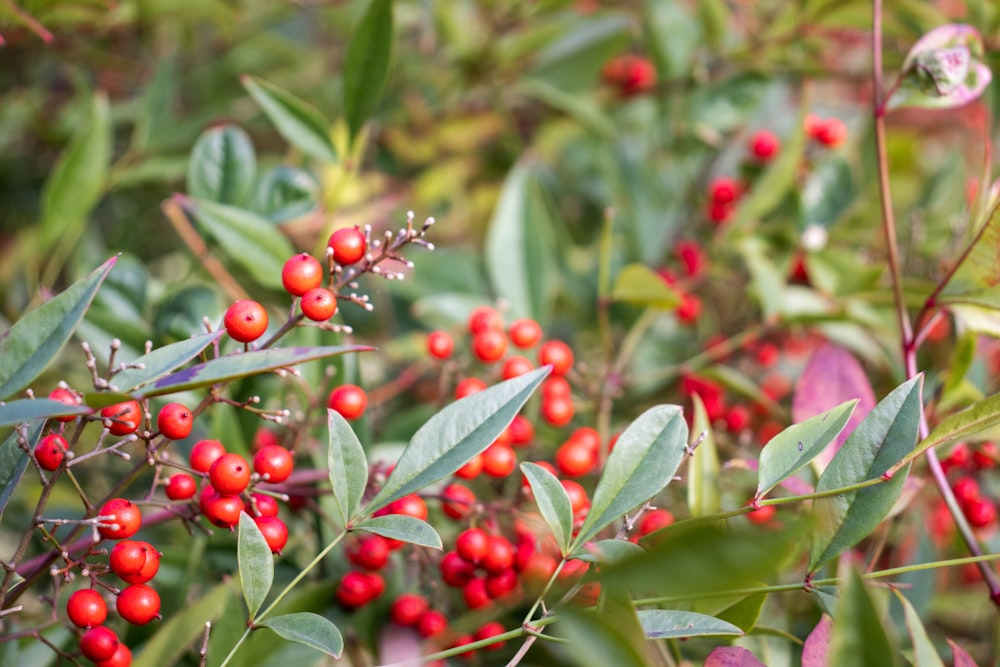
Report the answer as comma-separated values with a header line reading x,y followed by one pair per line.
x,y
301,273
455,570
230,474
122,418
274,530
410,505
204,454
98,643
273,463
483,319
348,245
499,460
245,321
264,504
654,520
558,354
355,589
831,132
737,418
407,608
86,608
440,344
629,74
577,495
370,552
181,486
555,387
491,629
469,386
150,566
471,544
689,309
349,400
692,257
981,513
431,623
128,557
724,190
122,657
762,515
457,500
966,490
50,451
489,345
501,583
138,604
525,333
557,411
575,458
319,304
222,510
499,555
175,421
764,145
67,396
516,366
123,519
474,593
522,432
472,468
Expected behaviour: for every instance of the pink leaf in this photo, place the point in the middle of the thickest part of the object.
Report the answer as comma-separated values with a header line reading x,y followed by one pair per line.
x,y
962,659
831,377
732,656
399,645
816,650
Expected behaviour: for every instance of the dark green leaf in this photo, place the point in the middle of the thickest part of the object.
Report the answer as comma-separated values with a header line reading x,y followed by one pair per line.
x,y
610,551
309,629
300,123
236,366
703,495
347,466
175,635
643,462
640,285
672,624
14,461
404,528
27,409
827,193
886,435
162,360
924,653
859,636
455,435
34,340
366,65
553,502
255,562
285,193
223,166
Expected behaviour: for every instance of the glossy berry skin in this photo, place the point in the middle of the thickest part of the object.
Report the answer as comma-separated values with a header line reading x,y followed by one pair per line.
x,y
67,396
762,515
134,559
455,570
577,495
124,519
273,463
301,273
501,583
50,451
499,460
654,520
245,321
457,500
370,552
557,411
230,474
86,608
275,532
556,387
483,319
558,354
764,146
410,505
348,245
521,430
724,190
98,643
469,386
222,510
575,458
980,513
122,418
319,304
831,132
181,486
149,568
407,608
474,593
499,555
264,504
489,346
349,400
516,366
204,454
175,421
629,74
471,544
122,658
431,623
491,629
440,344
525,333
472,468
138,604
357,589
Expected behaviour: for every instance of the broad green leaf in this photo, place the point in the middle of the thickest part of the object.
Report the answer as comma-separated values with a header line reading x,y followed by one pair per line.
x,y
309,629
347,466
613,637
976,281
233,366
924,653
285,193
553,502
297,121
978,417
792,449
366,64
175,635
78,180
255,562
456,434
744,614
886,435
732,656
827,193
247,239
14,461
673,624
640,285
643,462
960,657
580,109
162,360
223,166
859,637
703,495
610,551
28,409
28,347
404,528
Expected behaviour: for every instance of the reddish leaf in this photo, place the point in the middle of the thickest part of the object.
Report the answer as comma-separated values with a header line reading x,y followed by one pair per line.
x,y
831,377
816,650
962,659
732,656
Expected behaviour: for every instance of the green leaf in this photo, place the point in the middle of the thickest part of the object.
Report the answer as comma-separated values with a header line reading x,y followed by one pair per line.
x,y
610,551
28,409
456,434
789,451
827,193
744,614
402,527
553,502
255,562
978,417
223,166
767,284
776,181
309,629
28,347
886,435
703,495
14,461
77,182
162,360
366,64
976,280
234,366
924,653
347,466
643,462
672,624
600,640
640,285
250,241
580,109
285,193
174,637
300,123
859,636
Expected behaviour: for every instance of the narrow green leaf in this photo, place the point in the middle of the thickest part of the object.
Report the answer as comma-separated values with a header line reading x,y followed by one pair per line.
x,y
703,495
236,366
162,360
28,347
886,435
978,417
175,636
583,111
672,624
309,629
553,502
640,285
792,449
250,241
28,409
347,466
776,180
859,636
366,64
402,527
223,166
976,280
924,653
642,463
255,562
14,461
454,435
607,552
297,121
827,193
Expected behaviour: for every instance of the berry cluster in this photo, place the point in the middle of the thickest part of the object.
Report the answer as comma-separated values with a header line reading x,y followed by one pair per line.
x,y
629,75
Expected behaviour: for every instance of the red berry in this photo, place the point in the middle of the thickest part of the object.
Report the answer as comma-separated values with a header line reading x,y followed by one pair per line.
x,y
86,608
301,273
525,333
264,504
474,593
181,486
274,530
122,657
555,387
410,505
764,145
577,495
557,411
762,515
222,510
431,623
455,570
122,418
737,418
484,318
499,460
469,386
357,589
501,583
273,463
348,245
349,400
575,458
472,468
831,132
245,321
370,552
175,421
319,304
654,520
457,500
204,454
689,309
630,74
981,513
516,366
407,608
499,555
440,344
50,451
491,629
98,643
489,345
471,544
966,490
724,190
150,566
558,354
67,396
138,604
521,431
230,474
123,519
719,212
692,257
